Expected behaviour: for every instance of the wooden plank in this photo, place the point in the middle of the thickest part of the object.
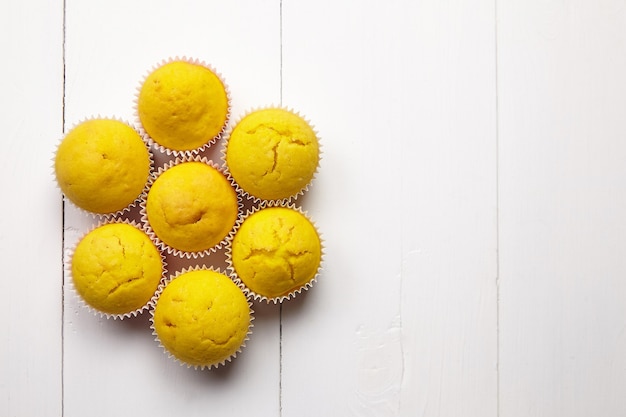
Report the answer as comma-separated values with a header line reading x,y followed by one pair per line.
x,y
114,367
562,96
404,99
31,39
403,318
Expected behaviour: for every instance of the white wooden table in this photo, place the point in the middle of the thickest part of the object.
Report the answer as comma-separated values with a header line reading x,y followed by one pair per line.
x,y
472,198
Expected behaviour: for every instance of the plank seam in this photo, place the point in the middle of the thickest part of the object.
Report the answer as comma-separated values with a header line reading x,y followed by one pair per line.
x,y
497,169
63,63
280,309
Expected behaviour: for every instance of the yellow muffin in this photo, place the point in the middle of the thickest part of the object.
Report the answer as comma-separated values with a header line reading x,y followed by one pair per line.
x,y
116,269
202,318
183,106
102,165
272,154
191,207
276,252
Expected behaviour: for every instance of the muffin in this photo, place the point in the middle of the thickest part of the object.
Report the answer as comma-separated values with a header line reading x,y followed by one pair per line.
x,y
272,154
116,269
183,106
202,318
191,207
276,252
102,166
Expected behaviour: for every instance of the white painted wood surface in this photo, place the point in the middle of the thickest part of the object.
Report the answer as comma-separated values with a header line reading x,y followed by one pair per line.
x,y
404,96
31,121
562,102
471,198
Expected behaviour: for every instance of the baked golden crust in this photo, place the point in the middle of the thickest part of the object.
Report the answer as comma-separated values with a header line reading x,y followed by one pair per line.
x,y
102,165
192,206
272,154
116,269
276,251
183,106
202,318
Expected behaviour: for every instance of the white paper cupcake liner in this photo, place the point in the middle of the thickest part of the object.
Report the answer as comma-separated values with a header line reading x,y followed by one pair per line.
x,y
159,242
205,146
171,355
141,196
81,301
293,293
244,192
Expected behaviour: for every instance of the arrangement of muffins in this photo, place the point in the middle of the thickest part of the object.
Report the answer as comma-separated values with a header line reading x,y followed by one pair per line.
x,y
191,207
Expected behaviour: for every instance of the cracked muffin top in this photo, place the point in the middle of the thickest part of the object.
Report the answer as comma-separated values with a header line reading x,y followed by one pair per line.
x,y
183,106
202,318
191,207
276,252
102,165
116,269
272,154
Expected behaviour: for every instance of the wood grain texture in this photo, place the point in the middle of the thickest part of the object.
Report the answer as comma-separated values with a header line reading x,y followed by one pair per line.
x,y
562,96
31,82
403,320
470,197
